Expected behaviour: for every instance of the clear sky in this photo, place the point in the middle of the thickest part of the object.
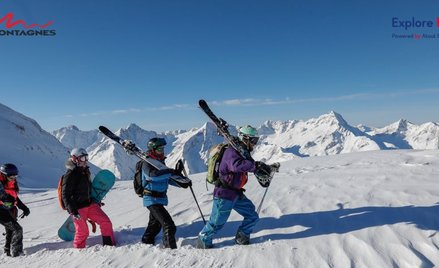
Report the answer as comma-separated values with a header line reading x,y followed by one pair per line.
x,y
148,62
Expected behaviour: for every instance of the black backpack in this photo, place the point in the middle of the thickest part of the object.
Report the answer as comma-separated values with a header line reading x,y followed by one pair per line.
x,y
137,182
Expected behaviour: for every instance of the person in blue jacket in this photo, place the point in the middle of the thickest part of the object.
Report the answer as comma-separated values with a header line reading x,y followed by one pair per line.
x,y
155,183
229,192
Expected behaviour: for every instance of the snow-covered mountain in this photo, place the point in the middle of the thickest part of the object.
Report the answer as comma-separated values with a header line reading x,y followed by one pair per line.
x,y
280,141
406,135
72,137
193,147
38,155
106,153
367,209
326,135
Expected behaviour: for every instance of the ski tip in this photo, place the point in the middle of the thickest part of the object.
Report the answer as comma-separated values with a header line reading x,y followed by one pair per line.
x,y
202,102
104,130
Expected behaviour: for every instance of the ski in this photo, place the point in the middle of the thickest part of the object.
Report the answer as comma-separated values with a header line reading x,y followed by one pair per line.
x,y
223,129
133,149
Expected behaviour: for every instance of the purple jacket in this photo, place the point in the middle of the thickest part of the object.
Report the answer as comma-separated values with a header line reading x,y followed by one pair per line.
x,y
233,172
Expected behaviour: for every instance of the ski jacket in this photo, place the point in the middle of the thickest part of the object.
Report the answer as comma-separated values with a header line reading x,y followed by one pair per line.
x,y
156,184
76,187
9,188
233,174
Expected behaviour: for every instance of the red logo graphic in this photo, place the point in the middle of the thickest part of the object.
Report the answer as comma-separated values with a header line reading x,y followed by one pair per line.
x,y
10,23
438,22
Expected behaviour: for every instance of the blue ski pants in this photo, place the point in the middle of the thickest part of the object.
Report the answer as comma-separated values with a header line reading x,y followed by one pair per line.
x,y
220,213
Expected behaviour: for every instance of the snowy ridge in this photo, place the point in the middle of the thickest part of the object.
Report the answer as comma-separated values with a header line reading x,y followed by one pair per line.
x,y
366,209
280,141
38,155
406,135
72,137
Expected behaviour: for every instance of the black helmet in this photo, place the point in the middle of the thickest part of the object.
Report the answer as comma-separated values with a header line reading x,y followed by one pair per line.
x,y
9,170
154,143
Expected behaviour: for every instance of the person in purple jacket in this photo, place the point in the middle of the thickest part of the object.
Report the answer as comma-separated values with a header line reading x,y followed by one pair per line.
x,y
229,192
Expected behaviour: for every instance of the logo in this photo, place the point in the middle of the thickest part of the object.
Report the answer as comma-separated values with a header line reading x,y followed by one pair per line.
x,y
415,28
9,23
413,23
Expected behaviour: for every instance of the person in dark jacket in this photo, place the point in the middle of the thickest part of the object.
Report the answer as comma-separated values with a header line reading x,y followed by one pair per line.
x,y
229,192
9,201
76,189
155,183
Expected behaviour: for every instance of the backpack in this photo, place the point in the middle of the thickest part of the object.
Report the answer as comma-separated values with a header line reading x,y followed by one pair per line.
x,y
137,181
61,202
215,156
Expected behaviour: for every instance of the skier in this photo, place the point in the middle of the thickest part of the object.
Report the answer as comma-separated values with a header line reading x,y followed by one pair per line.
x,y
229,192
76,188
155,183
9,201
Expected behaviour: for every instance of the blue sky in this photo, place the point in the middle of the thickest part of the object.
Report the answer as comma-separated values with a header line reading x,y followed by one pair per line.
x,y
148,62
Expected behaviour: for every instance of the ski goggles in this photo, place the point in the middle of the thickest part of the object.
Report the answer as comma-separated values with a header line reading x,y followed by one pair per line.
x,y
82,158
160,149
252,140
12,177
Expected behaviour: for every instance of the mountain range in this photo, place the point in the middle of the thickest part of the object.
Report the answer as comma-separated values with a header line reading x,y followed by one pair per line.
x,y
25,143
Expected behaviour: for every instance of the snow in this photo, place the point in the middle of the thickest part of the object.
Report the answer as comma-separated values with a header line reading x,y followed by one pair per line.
x,y
365,209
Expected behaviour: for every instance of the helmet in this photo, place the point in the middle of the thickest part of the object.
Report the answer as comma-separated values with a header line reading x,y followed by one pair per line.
x,y
155,143
9,170
248,133
79,155
76,152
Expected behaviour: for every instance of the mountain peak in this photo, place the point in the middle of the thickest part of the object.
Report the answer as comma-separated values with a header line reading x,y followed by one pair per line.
x,y
333,118
133,126
401,125
72,127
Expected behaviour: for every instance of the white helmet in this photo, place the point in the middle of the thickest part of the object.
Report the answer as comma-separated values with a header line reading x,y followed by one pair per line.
x,y
79,155
78,152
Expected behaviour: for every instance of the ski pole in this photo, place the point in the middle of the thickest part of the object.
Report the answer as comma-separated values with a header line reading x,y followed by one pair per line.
x,y
275,169
263,197
192,190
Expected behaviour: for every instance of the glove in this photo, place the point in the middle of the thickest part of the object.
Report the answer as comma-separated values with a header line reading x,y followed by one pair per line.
x,y
23,207
26,211
263,174
128,145
183,182
179,167
76,216
262,168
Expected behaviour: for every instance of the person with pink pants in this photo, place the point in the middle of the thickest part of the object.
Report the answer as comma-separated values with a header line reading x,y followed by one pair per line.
x,y
75,190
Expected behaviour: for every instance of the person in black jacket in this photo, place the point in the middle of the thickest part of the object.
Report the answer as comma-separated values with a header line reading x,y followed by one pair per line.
x,y
76,189
9,201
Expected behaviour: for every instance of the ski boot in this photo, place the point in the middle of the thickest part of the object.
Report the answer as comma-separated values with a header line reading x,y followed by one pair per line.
x,y
241,238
